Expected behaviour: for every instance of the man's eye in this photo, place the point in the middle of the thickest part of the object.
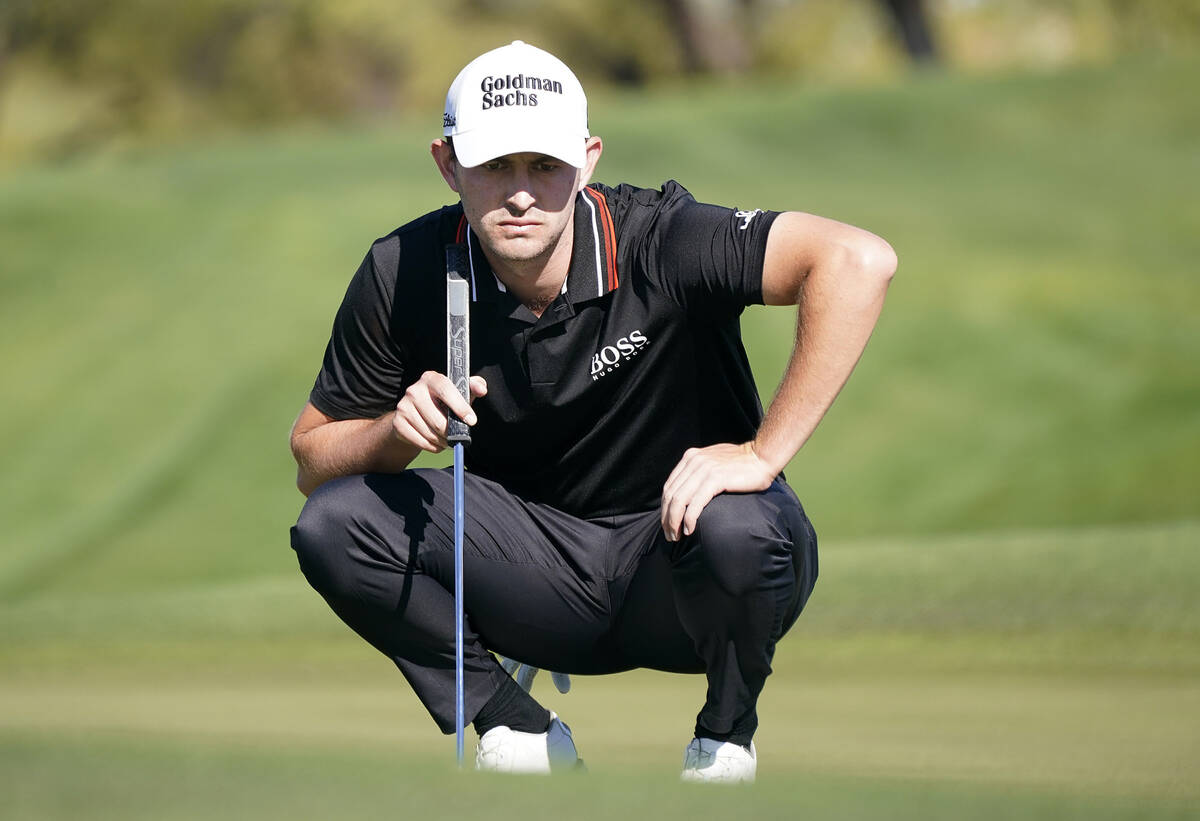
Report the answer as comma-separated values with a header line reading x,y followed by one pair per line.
x,y
548,167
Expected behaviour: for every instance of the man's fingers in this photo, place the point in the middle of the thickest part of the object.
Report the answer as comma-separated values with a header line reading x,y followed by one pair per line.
x,y
682,509
444,391
674,510
478,387
680,491
421,436
680,473
429,416
673,502
422,414
561,681
672,515
701,474
695,507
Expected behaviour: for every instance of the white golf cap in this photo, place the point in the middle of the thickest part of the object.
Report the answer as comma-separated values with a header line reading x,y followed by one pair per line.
x,y
512,99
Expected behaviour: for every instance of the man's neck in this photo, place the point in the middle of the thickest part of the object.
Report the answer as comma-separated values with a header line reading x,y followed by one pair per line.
x,y
537,282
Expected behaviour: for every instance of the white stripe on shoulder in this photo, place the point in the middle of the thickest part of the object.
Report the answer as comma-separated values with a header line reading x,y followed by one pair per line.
x,y
596,240
471,257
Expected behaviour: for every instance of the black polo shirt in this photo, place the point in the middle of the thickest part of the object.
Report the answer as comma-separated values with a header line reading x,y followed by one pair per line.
x,y
590,406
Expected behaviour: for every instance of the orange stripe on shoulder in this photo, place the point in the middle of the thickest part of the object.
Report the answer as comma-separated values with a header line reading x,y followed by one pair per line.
x,y
610,237
461,234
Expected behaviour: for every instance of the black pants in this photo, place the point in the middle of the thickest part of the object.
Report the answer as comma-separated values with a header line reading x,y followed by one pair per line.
x,y
560,593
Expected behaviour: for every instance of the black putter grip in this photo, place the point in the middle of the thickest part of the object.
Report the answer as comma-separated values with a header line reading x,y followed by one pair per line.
x,y
458,341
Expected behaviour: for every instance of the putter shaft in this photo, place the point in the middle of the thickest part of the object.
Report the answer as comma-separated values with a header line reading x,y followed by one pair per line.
x,y
459,718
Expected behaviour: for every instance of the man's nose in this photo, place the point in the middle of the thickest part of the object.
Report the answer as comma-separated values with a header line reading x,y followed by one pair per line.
x,y
521,200
520,194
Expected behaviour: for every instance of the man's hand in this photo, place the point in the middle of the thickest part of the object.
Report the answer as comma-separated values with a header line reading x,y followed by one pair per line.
x,y
701,474
421,414
524,674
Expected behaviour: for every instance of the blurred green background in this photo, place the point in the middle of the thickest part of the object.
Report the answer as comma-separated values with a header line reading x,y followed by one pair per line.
x,y
1007,623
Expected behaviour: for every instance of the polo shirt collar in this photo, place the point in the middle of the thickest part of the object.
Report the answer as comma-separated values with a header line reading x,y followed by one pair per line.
x,y
593,269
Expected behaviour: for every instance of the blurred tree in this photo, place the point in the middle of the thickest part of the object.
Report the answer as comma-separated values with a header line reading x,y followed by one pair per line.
x,y
611,41
711,37
74,72
912,25
720,36
1156,23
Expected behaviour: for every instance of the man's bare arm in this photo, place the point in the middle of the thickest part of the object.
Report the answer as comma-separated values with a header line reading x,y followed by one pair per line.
x,y
838,278
326,448
838,275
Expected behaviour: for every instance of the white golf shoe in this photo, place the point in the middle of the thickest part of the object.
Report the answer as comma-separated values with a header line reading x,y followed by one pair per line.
x,y
718,762
502,750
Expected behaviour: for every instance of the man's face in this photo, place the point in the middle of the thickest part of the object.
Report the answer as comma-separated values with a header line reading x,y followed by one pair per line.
x,y
520,205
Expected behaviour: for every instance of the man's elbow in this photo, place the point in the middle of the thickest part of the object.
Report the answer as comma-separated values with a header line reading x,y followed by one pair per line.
x,y
304,479
875,260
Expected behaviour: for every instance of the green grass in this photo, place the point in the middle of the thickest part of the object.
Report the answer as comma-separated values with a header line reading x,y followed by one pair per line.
x,y
1036,674
144,780
1006,624
127,780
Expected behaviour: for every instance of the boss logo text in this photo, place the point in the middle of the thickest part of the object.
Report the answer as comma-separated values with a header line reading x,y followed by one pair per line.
x,y
610,357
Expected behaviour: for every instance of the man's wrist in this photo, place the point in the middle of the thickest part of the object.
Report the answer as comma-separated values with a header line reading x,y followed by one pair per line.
x,y
773,466
395,452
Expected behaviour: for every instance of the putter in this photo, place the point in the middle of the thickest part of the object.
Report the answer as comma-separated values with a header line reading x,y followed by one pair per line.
x,y
458,363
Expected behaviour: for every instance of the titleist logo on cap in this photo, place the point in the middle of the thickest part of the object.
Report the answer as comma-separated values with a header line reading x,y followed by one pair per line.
x,y
521,90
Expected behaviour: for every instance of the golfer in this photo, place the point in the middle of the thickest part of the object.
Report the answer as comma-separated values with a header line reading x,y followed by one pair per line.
x,y
625,503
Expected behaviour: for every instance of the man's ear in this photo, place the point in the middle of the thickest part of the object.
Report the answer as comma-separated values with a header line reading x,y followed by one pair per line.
x,y
594,148
447,164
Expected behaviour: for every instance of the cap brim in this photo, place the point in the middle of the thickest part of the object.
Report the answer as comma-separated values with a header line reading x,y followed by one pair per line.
x,y
474,148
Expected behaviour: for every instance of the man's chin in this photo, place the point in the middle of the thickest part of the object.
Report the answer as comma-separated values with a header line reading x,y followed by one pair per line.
x,y
520,249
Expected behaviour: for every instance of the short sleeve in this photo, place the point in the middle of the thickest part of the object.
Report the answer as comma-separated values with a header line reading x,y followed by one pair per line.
x,y
710,258
363,369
